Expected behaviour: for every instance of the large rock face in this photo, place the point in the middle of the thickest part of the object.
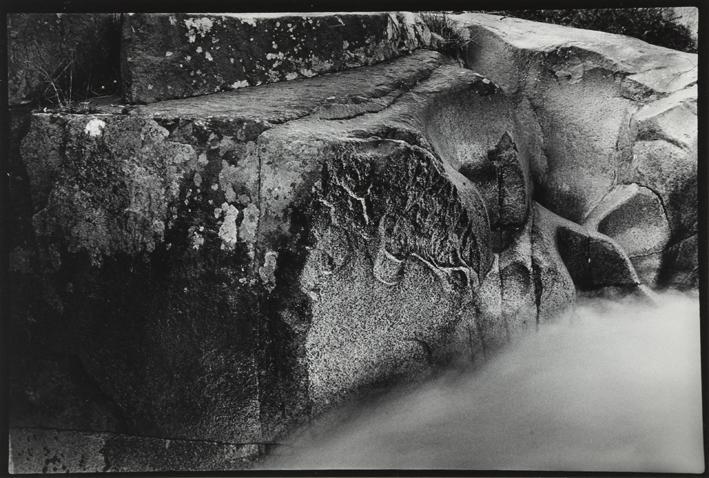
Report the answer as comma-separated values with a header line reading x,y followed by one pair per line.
x,y
220,269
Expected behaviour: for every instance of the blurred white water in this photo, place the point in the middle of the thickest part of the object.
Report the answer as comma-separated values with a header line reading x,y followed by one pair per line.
x,y
615,388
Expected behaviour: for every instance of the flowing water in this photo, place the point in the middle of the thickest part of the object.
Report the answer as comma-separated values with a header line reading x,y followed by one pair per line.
x,y
616,387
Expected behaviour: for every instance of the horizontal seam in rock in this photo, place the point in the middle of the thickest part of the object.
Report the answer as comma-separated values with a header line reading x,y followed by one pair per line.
x,y
362,113
401,92
111,434
645,254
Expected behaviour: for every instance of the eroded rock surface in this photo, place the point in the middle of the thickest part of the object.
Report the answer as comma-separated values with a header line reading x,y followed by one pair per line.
x,y
219,269
601,112
635,217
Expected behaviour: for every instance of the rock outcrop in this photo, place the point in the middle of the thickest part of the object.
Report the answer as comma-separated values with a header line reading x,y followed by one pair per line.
x,y
219,269
603,114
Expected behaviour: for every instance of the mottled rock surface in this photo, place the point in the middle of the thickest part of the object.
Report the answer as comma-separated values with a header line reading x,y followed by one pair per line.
x,y
179,55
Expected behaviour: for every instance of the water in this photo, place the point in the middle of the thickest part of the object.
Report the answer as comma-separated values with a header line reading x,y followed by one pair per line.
x,y
616,388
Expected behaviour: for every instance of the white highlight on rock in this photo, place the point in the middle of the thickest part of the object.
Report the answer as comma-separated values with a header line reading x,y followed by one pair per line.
x,y
247,230
197,26
228,229
307,72
95,127
240,84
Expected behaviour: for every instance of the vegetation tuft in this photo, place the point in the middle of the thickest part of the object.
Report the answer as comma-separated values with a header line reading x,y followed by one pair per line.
x,y
454,42
68,84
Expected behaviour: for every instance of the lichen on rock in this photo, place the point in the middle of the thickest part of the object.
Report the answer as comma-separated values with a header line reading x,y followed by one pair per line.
x,y
112,189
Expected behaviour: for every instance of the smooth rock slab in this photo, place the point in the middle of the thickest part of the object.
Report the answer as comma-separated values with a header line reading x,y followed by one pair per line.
x,y
645,68
180,55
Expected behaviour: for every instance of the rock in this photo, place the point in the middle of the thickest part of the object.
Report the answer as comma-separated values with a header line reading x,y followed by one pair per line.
x,y
519,307
44,48
180,55
35,450
671,172
554,289
502,184
110,191
220,247
490,320
224,268
664,157
599,110
582,88
594,260
427,235
680,265
635,218
672,119
52,390
18,225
